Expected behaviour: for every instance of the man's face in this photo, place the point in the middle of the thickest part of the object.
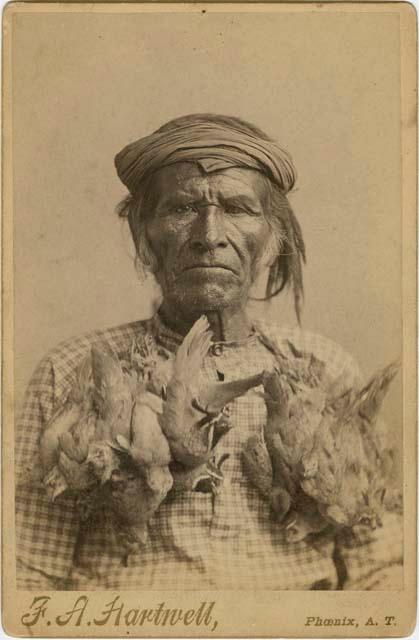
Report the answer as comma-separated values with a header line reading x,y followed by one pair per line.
x,y
208,233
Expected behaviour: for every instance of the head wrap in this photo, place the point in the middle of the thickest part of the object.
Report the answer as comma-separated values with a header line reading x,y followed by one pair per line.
x,y
214,146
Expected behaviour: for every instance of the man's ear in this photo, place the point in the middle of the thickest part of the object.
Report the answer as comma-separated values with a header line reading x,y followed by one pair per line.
x,y
145,254
266,260
272,249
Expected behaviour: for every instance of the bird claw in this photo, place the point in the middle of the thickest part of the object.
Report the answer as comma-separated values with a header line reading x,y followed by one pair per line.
x,y
214,478
210,416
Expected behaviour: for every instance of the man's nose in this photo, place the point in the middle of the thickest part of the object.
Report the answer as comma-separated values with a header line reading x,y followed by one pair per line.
x,y
208,232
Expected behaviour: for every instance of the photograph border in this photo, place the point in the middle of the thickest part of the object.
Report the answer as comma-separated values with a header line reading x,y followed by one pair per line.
x,y
270,610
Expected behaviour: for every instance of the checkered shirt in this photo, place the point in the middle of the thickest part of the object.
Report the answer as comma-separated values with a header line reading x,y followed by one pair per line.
x,y
196,541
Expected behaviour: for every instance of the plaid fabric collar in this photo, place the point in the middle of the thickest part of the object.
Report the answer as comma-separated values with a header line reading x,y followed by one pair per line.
x,y
165,336
171,340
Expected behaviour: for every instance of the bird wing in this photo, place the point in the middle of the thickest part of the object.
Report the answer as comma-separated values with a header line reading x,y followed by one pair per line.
x,y
75,442
327,458
82,388
67,414
148,445
113,395
293,417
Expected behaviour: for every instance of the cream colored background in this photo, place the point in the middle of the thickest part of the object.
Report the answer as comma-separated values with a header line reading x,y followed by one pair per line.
x,y
326,85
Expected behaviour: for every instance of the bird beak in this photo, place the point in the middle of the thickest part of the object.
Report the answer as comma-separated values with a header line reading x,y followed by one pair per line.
x,y
58,491
115,447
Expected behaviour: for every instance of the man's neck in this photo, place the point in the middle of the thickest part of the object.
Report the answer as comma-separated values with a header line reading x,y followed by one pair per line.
x,y
227,325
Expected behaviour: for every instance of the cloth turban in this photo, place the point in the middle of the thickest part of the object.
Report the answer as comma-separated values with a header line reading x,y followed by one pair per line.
x,y
213,146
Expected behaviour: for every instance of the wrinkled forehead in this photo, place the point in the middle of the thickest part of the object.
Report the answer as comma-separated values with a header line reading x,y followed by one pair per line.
x,y
192,178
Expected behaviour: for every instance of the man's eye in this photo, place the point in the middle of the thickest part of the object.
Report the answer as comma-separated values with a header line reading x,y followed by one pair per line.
x,y
231,208
237,210
184,208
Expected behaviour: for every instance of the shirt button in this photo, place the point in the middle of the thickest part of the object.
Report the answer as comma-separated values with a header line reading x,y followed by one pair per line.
x,y
216,350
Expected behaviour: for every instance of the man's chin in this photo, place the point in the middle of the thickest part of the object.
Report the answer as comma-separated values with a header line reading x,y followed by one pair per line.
x,y
204,297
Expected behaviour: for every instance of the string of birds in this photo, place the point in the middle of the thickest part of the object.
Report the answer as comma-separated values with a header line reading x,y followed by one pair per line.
x,y
134,432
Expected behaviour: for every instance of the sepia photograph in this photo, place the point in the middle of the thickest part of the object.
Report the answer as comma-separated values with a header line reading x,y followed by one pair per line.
x,y
209,313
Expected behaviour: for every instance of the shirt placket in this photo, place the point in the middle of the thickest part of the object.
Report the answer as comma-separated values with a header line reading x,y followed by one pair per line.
x,y
221,364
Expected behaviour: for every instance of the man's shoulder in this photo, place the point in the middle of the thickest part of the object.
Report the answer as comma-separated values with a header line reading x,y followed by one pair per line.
x,y
64,358
292,340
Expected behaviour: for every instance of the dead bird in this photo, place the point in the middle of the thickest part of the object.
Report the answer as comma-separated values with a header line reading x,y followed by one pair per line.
x,y
325,473
298,365
115,452
70,410
133,502
194,416
148,449
112,393
75,442
353,464
72,471
74,452
293,413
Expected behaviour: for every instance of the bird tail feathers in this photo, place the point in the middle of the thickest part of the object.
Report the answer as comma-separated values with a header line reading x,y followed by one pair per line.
x,y
372,395
193,350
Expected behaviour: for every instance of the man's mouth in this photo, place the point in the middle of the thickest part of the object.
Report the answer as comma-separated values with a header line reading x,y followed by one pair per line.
x,y
205,267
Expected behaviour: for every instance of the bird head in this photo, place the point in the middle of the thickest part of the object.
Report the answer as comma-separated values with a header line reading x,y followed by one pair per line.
x,y
105,366
55,483
276,388
295,529
373,506
102,459
370,520
221,426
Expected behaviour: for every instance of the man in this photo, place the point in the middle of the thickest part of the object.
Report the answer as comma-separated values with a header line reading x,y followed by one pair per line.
x,y
208,213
